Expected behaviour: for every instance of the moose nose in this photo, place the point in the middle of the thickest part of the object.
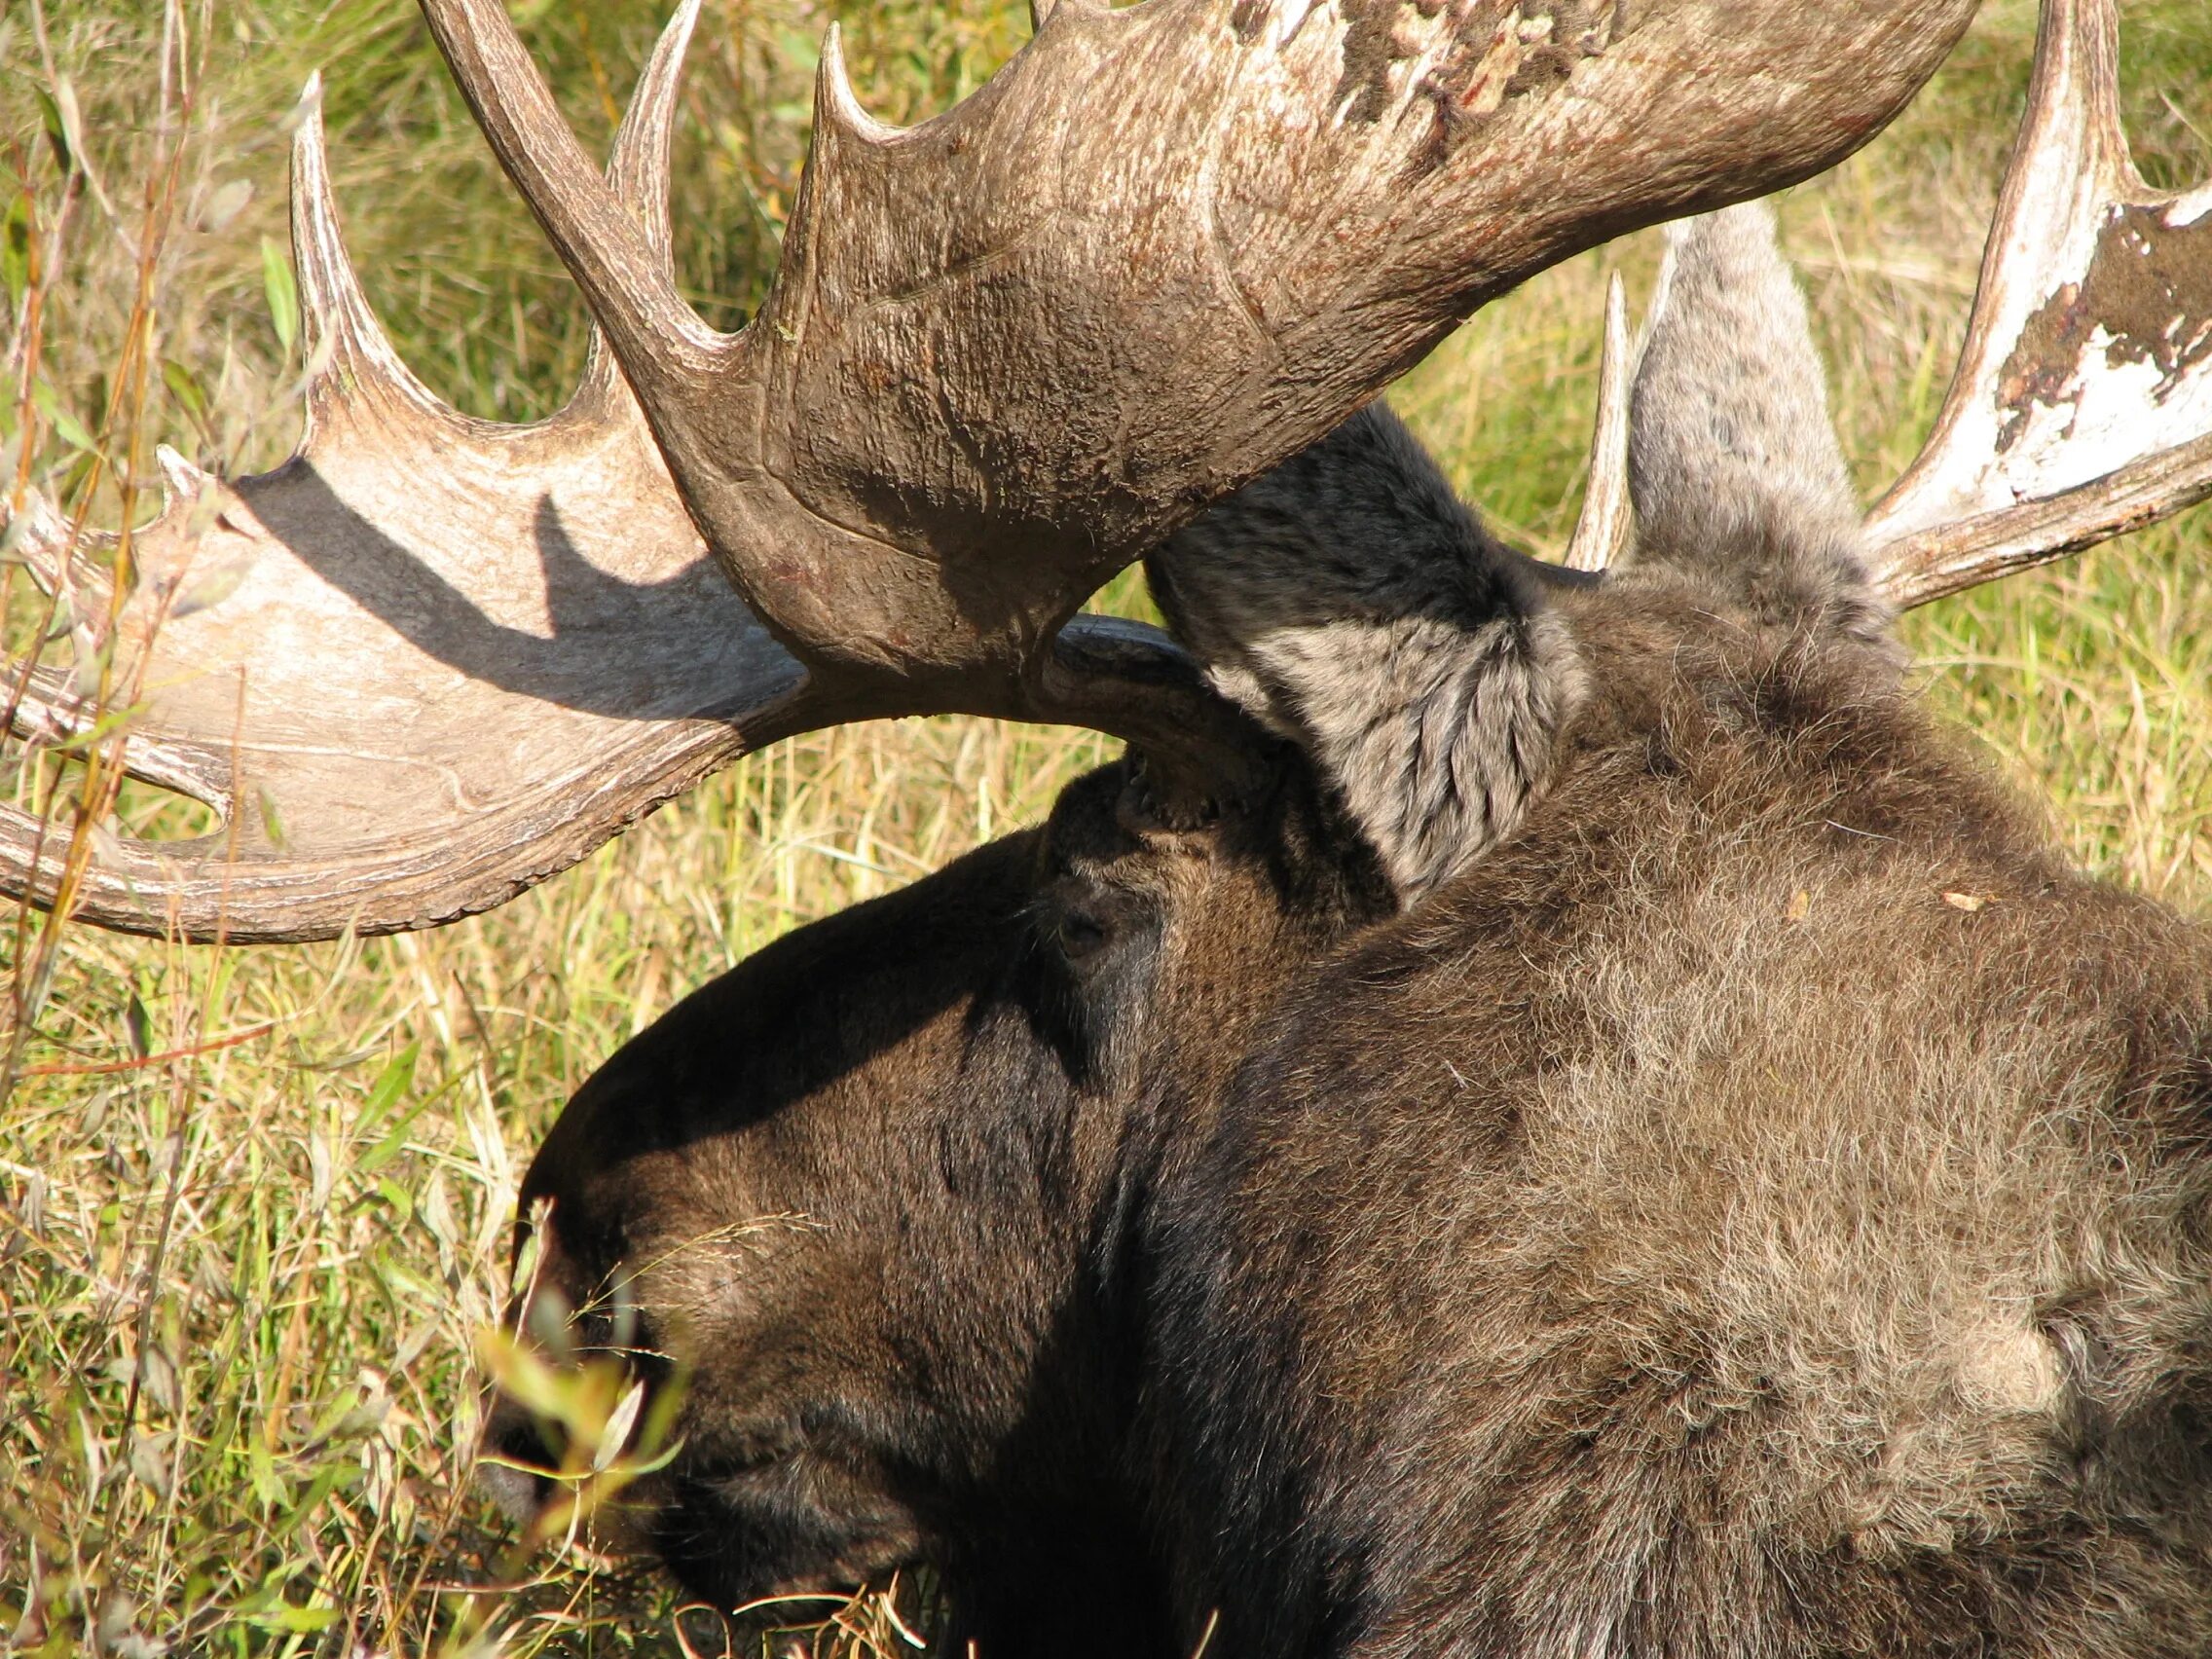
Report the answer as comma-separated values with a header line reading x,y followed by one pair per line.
x,y
516,1467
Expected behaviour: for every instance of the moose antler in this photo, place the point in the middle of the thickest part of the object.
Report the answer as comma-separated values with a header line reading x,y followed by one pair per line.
x,y
2083,402
1007,350
426,661
1606,520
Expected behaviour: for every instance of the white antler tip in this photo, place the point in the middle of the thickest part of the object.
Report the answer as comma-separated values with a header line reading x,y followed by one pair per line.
x,y
306,122
1603,530
345,348
676,38
638,166
180,479
835,102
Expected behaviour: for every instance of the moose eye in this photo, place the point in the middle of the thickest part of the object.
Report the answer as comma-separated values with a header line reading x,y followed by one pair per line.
x,y
1079,935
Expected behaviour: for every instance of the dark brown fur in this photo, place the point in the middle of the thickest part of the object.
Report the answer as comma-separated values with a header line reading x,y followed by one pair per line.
x,y
1689,1232
1744,1197
1694,1233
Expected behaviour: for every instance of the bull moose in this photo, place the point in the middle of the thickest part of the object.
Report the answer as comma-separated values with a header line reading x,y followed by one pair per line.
x,y
1540,1110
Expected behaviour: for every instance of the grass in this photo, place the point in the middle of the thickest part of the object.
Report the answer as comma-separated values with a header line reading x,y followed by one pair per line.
x,y
254,1205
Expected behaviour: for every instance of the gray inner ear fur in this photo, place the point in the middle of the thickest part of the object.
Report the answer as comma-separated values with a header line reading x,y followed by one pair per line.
x,y
1352,603
1734,470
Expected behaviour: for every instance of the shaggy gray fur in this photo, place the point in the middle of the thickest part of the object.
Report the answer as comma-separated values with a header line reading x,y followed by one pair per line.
x,y
1352,602
1733,463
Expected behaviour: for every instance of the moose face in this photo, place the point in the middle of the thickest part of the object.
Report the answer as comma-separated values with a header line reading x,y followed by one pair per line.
x,y
862,1191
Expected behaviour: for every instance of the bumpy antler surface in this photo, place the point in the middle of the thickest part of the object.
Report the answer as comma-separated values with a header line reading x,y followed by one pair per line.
x,y
1007,350
2083,403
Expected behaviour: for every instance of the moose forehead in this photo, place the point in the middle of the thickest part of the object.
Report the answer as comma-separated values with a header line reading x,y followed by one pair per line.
x,y
1024,973
848,1016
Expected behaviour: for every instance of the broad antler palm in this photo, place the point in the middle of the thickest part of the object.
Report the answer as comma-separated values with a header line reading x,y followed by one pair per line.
x,y
429,661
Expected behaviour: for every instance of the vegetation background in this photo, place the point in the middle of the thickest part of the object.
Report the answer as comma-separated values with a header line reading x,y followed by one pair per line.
x,y
254,1204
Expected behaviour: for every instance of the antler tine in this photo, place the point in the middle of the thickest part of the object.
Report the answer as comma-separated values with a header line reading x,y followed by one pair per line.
x,y
660,340
837,109
638,170
638,167
354,374
1007,351
2081,406
1603,529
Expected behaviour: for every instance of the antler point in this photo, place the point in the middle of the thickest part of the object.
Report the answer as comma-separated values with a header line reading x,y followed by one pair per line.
x,y
179,476
346,346
835,102
1602,532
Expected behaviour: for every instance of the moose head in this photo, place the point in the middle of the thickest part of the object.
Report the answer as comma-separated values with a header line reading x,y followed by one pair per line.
x,y
1482,1132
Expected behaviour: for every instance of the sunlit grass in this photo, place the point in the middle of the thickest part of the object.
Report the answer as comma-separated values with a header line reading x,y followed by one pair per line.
x,y
254,1205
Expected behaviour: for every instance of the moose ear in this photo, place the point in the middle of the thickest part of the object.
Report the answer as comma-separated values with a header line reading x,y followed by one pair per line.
x,y
1350,601
1733,466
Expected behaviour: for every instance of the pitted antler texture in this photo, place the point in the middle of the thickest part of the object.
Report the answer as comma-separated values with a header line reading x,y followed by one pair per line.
x,y
2082,405
431,660
2083,402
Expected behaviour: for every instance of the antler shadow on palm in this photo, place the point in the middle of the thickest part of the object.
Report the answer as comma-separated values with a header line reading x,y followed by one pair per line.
x,y
613,646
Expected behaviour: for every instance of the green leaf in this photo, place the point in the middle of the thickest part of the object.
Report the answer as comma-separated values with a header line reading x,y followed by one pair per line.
x,y
65,111
57,128
284,293
267,1485
396,1138
328,1477
186,391
401,1200
16,248
299,1621
66,426
388,1148
391,1083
